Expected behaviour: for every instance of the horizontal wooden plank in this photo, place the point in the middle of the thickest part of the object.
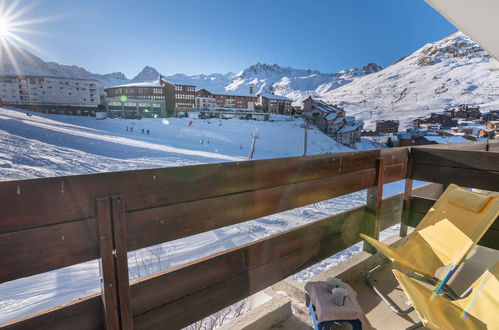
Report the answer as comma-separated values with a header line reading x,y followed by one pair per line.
x,y
421,204
82,314
391,211
154,226
479,160
493,145
210,300
69,243
471,178
264,263
430,190
394,172
43,249
393,156
313,242
39,202
202,273
479,146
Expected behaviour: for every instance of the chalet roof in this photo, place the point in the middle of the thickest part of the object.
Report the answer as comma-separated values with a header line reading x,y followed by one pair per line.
x,y
338,120
178,82
349,119
346,129
379,121
273,97
322,109
331,116
445,140
142,84
228,93
320,102
349,128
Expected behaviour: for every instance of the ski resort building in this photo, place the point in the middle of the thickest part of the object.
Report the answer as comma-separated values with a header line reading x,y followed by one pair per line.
x,y
350,133
206,100
332,120
136,100
180,97
387,126
161,98
321,114
48,94
273,103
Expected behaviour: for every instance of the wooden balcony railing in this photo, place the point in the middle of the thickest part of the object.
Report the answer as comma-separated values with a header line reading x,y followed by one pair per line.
x,y
46,224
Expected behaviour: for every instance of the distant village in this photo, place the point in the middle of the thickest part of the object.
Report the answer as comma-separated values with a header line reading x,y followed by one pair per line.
x,y
173,98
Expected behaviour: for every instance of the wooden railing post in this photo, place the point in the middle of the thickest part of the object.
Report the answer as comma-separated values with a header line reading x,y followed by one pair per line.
x,y
107,264
114,263
406,209
373,206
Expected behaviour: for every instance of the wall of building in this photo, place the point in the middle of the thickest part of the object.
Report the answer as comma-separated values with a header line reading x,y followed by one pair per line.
x,y
134,108
49,91
179,98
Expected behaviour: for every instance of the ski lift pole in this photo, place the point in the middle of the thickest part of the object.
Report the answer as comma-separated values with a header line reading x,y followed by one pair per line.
x,y
254,136
305,137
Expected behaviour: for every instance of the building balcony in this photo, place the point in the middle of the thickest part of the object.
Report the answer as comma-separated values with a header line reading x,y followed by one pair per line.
x,y
109,214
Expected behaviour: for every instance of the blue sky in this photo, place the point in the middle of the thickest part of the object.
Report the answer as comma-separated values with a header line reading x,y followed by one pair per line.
x,y
194,37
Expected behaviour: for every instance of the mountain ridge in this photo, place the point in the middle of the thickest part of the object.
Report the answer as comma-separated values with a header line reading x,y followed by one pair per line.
x,y
439,75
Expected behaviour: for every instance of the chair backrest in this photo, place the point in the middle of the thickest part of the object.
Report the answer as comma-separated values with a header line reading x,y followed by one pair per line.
x,y
477,311
456,222
483,302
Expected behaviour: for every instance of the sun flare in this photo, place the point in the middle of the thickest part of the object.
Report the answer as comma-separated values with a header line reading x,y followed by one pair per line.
x,y
5,28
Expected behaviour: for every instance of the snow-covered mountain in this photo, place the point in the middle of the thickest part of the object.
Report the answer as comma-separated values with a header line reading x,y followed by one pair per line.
x,y
15,60
437,76
296,84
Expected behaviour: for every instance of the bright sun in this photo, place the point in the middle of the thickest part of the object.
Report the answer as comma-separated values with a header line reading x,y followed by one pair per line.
x,y
4,28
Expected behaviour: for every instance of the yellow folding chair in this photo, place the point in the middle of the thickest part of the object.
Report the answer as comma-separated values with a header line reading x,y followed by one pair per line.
x,y
443,238
479,310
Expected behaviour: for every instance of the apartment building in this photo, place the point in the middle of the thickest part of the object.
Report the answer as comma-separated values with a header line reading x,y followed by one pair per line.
x,y
48,94
180,97
137,100
322,114
387,126
161,98
206,99
273,103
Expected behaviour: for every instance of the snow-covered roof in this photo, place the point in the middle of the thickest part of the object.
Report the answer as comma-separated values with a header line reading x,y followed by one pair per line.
x,y
405,135
229,93
359,122
446,140
331,116
141,84
379,121
349,128
338,120
274,97
349,119
322,109
179,82
346,129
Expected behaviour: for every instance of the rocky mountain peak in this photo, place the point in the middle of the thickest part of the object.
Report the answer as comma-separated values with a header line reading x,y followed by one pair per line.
x,y
147,74
371,68
457,46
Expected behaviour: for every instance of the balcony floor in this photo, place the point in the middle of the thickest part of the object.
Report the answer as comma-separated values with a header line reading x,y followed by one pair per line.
x,y
378,313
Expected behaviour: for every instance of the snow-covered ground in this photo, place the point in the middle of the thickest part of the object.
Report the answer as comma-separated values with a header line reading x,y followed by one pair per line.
x,y
49,145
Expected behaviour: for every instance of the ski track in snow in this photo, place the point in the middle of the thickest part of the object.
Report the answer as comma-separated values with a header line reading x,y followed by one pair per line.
x,y
50,145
